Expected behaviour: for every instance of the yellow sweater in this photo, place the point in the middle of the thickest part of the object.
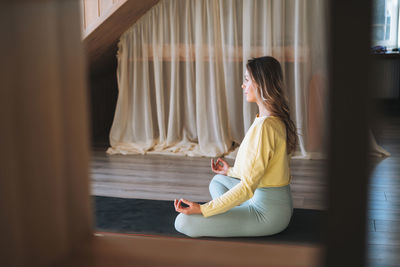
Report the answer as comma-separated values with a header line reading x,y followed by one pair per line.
x,y
262,161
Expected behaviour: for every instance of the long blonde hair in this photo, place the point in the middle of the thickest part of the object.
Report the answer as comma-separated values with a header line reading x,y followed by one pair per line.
x,y
266,72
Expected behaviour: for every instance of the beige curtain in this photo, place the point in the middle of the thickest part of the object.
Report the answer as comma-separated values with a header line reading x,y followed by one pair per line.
x,y
180,70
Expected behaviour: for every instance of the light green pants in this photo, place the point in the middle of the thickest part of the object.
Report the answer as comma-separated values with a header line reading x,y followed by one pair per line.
x,y
268,212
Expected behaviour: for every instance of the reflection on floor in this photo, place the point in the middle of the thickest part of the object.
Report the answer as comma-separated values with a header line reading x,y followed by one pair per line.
x,y
384,196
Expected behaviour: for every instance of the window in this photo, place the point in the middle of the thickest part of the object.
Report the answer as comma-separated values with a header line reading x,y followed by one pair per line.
x,y
385,23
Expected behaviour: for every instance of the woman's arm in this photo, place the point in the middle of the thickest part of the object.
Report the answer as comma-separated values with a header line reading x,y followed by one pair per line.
x,y
253,164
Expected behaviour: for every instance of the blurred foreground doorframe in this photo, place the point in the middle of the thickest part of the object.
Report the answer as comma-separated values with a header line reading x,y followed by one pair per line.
x,y
350,82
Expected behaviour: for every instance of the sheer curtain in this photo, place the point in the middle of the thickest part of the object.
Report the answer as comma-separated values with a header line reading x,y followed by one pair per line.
x,y
180,69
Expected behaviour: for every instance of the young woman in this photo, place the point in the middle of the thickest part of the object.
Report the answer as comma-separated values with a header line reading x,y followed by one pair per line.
x,y
252,198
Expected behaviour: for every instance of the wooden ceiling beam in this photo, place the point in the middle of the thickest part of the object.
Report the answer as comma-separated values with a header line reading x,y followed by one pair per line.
x,y
101,38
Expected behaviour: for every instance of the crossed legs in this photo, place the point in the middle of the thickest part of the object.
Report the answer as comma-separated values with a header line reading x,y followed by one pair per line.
x,y
243,220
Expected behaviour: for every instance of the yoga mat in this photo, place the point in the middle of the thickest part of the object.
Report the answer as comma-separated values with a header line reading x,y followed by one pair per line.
x,y
156,217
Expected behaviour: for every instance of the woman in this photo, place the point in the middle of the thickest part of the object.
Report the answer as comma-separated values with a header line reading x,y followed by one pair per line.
x,y
252,198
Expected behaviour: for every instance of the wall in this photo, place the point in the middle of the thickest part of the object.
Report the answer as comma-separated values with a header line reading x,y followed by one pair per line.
x,y
103,90
387,72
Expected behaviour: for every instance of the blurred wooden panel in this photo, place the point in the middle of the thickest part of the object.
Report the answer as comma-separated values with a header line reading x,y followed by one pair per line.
x,y
105,6
82,15
44,206
110,249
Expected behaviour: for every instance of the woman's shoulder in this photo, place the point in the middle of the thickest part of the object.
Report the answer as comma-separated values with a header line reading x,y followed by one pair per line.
x,y
270,121
274,124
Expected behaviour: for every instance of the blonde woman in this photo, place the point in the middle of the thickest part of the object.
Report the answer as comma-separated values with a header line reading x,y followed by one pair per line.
x,y
253,197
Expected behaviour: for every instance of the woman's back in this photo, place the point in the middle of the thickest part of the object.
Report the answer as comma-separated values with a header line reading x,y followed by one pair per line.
x,y
263,151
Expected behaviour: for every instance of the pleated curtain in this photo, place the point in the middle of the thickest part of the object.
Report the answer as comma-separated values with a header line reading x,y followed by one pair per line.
x,y
181,66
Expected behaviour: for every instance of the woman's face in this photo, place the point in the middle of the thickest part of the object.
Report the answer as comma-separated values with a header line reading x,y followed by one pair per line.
x,y
249,88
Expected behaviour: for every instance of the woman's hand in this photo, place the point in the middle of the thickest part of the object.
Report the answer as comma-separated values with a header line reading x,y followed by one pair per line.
x,y
194,208
220,169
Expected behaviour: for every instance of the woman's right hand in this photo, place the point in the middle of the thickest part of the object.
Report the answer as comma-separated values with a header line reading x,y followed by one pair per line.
x,y
220,169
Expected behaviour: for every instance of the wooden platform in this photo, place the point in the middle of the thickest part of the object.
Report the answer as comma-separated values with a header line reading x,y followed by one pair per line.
x,y
168,177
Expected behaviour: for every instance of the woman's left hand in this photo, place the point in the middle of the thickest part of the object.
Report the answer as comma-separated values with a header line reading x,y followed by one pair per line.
x,y
194,208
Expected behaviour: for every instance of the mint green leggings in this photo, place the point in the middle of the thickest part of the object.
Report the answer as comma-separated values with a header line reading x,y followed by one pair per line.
x,y
268,212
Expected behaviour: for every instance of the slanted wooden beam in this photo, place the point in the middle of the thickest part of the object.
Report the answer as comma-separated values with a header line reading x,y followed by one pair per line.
x,y
101,35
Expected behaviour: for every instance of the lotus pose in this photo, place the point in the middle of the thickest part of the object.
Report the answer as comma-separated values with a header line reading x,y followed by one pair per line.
x,y
253,197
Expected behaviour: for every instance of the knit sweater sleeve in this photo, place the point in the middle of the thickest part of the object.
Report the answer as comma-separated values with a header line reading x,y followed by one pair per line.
x,y
257,155
231,172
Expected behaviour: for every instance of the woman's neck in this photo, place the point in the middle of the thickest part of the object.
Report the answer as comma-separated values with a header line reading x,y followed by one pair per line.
x,y
262,111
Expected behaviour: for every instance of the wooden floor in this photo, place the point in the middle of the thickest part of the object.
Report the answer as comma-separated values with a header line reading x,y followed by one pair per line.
x,y
169,177
384,197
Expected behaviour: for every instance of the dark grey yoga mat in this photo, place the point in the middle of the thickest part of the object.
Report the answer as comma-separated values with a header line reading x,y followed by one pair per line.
x,y
156,217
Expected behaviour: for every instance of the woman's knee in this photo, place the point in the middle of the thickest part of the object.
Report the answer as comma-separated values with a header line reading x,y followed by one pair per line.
x,y
218,179
180,223
186,225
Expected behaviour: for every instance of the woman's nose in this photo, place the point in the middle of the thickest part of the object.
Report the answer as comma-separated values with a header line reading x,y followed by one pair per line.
x,y
243,86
